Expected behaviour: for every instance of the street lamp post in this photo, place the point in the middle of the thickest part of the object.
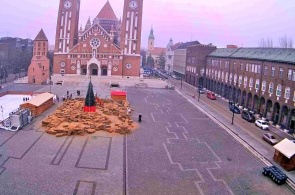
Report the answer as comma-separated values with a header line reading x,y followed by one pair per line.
x,y
234,104
180,82
50,83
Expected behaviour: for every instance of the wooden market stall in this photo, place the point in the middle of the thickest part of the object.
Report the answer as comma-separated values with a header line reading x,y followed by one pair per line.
x,y
118,95
285,154
39,104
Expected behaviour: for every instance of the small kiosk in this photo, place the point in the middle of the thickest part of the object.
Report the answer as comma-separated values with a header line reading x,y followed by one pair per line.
x,y
285,154
118,95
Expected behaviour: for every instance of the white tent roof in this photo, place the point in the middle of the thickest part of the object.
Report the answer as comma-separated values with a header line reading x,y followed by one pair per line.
x,y
40,99
286,147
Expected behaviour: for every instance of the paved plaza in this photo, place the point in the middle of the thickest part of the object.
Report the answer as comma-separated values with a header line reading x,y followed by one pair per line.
x,y
177,150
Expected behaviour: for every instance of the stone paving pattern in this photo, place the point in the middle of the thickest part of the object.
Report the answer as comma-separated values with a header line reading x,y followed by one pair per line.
x,y
179,150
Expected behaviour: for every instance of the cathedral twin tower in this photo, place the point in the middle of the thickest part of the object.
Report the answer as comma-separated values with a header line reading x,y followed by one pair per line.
x,y
105,47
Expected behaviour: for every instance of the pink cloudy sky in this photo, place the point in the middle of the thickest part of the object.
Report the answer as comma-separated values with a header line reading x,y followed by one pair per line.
x,y
221,22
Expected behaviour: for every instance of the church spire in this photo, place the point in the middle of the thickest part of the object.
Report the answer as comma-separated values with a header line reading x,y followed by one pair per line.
x,y
152,34
88,24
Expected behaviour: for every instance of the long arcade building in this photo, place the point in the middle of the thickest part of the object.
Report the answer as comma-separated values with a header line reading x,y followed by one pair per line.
x,y
260,79
105,47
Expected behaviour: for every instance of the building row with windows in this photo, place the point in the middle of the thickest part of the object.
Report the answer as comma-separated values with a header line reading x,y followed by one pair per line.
x,y
259,79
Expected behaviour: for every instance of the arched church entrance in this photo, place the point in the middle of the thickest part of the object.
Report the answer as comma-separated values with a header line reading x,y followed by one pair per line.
x,y
93,68
104,71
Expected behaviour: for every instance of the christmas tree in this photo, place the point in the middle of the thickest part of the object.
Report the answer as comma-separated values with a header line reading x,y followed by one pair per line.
x,y
90,103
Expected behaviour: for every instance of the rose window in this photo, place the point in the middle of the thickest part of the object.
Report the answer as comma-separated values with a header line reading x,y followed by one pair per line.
x,y
95,42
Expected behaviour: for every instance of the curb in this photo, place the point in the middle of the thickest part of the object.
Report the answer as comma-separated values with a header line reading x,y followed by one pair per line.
x,y
289,183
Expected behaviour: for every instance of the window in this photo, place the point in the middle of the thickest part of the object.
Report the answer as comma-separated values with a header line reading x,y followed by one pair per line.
x,y
289,74
219,74
256,69
242,66
279,89
234,65
259,69
287,93
294,97
273,70
222,76
235,78
257,84
270,90
240,79
227,64
293,79
263,86
226,77
230,77
245,81
251,83
247,67
281,72
253,68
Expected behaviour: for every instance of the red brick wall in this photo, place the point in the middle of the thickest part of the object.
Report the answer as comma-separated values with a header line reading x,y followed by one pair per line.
x,y
135,63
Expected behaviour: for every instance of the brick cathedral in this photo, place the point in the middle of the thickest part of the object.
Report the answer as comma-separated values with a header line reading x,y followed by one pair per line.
x,y
106,46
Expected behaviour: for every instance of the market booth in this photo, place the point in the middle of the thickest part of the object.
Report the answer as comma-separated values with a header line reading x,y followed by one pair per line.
x,y
39,104
118,95
285,154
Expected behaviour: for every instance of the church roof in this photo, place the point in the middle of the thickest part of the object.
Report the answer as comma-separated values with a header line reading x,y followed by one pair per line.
x,y
41,36
107,12
157,51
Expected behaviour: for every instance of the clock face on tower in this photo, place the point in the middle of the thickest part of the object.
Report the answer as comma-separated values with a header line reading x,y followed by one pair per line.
x,y
133,4
68,4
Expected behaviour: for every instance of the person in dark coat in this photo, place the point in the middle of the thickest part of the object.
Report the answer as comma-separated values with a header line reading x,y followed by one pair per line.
x,y
139,117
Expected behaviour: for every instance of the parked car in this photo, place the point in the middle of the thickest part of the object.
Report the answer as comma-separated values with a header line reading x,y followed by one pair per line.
x,y
248,116
211,95
262,124
270,138
201,91
234,109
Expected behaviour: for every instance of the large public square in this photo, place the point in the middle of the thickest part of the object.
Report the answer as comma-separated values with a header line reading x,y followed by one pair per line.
x,y
178,149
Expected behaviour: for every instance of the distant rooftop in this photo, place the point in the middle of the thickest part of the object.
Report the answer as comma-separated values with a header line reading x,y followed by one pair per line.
x,y
185,45
282,55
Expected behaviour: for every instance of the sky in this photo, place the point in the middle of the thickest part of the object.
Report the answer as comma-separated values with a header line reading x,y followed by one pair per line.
x,y
220,22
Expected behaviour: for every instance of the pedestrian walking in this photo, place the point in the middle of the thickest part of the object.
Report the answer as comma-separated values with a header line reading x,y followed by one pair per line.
x,y
139,117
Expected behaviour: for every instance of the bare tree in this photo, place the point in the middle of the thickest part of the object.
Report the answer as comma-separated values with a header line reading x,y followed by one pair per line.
x,y
266,43
285,42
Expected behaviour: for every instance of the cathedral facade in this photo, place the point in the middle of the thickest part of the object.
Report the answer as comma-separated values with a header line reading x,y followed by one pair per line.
x,y
106,46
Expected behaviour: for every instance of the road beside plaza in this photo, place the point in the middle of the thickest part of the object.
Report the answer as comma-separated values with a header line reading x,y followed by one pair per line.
x,y
248,132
